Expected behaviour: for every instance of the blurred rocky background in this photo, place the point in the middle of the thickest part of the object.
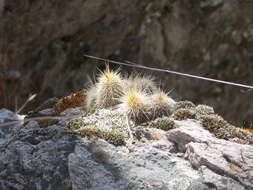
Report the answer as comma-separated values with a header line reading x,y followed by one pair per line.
x,y
42,45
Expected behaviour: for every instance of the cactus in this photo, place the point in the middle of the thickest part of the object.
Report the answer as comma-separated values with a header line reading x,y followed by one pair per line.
x,y
144,84
110,88
161,104
134,104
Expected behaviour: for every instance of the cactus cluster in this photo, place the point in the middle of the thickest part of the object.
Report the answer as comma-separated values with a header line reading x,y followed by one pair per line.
x,y
137,95
143,102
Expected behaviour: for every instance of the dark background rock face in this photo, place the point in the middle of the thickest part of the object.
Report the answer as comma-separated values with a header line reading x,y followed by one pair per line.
x,y
45,41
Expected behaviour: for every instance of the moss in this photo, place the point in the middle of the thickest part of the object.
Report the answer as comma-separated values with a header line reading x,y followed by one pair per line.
x,y
91,110
217,125
163,123
183,113
112,136
86,129
222,129
184,104
239,133
204,109
116,127
77,123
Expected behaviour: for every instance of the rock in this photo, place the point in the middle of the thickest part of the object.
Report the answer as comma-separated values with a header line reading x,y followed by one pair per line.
x,y
222,157
219,180
8,116
184,157
211,3
84,171
40,161
1,7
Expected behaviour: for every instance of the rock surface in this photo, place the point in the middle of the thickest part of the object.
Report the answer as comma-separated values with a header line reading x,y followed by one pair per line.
x,y
187,157
46,40
8,116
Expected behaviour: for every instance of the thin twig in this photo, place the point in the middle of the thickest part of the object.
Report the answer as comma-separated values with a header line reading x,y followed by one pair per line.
x,y
171,72
16,104
38,119
26,102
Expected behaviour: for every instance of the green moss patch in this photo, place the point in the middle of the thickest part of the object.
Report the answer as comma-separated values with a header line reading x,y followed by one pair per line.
x,y
77,123
222,129
163,123
184,104
183,114
204,109
111,136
